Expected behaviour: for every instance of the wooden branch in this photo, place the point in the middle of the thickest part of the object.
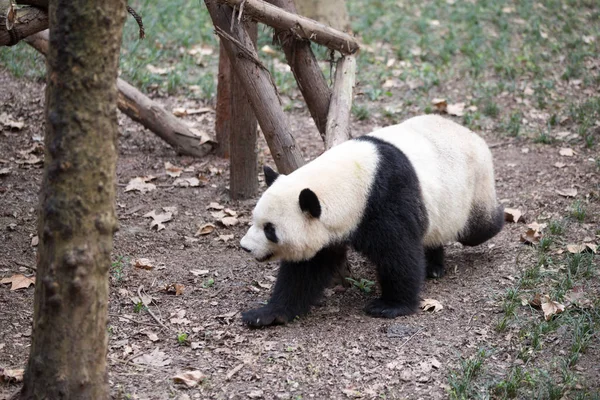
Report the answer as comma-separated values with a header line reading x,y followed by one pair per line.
x,y
36,3
304,65
259,87
28,21
147,112
302,27
338,120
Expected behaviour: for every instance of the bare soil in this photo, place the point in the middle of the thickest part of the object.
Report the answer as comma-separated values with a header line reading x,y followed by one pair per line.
x,y
336,351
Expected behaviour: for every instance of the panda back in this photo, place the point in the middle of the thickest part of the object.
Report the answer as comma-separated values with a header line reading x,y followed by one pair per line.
x,y
454,168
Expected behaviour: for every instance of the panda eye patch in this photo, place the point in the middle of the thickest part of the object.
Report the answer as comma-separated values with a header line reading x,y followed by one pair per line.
x,y
270,233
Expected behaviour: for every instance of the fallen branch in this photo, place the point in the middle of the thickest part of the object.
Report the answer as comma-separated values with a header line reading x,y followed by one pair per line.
x,y
338,119
302,27
27,21
259,87
149,113
304,65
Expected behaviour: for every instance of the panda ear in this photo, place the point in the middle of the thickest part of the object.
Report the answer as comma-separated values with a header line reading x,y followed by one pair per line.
x,y
309,202
270,175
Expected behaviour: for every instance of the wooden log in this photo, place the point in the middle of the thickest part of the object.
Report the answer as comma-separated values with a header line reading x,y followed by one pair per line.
x,y
304,65
338,120
243,164
147,112
303,27
27,21
224,98
259,86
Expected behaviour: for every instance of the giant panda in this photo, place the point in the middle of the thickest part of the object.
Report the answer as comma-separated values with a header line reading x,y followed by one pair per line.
x,y
396,195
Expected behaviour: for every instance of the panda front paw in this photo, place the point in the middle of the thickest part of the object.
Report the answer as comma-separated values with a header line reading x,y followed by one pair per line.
x,y
264,316
386,309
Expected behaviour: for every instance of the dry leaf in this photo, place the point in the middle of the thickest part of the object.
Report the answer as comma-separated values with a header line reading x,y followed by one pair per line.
x,y
440,104
215,206
226,238
172,170
230,212
513,215
155,359
18,281
457,109
571,192
536,302
205,230
255,394
158,70
582,248
143,263
11,375
199,272
189,378
531,236
158,219
431,305
187,182
551,308
141,184
559,165
230,221
592,247
35,241
152,336
218,214
4,171
566,152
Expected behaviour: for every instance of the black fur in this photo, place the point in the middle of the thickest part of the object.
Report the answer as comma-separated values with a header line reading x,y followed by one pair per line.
x,y
309,203
299,286
270,232
480,227
270,175
434,256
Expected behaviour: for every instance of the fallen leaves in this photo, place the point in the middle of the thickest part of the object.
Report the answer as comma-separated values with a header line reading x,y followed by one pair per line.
x,y
566,152
141,184
158,219
431,305
172,170
533,233
582,248
457,109
18,281
11,375
205,229
143,263
187,182
155,359
551,308
189,378
513,215
571,192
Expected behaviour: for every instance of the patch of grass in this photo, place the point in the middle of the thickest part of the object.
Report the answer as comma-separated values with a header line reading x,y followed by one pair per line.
x,y
364,285
512,126
207,283
508,388
461,380
361,112
578,210
491,109
182,338
117,268
556,227
139,307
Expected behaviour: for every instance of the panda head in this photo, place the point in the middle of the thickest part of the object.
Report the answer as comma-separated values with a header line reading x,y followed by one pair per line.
x,y
286,221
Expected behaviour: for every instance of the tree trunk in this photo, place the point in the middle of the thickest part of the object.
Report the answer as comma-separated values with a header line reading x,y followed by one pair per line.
x,y
224,99
77,218
330,12
243,182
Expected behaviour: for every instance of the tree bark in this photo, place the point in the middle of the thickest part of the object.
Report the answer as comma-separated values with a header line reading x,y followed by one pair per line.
x,y
224,99
28,21
147,112
338,120
304,65
330,12
243,182
303,27
259,87
77,217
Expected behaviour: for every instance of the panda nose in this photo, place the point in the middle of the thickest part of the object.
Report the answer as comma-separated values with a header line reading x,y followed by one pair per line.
x,y
245,249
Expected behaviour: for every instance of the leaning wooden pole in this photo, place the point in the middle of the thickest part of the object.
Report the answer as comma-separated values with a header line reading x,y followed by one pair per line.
x,y
303,27
259,86
147,112
338,120
304,65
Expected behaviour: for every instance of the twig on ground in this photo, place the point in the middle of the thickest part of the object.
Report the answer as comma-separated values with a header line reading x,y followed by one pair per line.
x,y
150,311
408,340
131,319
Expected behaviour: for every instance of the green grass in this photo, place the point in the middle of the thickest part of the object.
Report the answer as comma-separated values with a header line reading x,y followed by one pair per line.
x,y
462,380
364,285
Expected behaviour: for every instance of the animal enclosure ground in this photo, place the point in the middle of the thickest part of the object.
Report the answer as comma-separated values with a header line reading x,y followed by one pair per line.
x,y
525,75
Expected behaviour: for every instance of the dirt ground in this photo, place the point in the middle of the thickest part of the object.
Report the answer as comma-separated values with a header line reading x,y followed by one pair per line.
x,y
336,351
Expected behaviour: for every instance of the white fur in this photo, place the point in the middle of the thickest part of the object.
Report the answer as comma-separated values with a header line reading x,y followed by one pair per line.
x,y
445,155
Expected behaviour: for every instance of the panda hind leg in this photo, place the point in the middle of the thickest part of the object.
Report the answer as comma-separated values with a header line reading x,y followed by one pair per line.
x,y
434,257
401,274
482,226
